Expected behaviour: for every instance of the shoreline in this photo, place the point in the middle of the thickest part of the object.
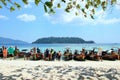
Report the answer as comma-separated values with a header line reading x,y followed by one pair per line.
x,y
87,63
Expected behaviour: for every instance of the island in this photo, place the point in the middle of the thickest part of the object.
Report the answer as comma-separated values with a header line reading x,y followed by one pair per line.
x,y
69,40
8,41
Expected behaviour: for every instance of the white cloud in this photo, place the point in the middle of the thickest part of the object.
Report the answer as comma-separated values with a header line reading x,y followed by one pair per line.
x,y
118,5
108,21
3,17
101,17
27,17
68,17
28,6
30,1
63,17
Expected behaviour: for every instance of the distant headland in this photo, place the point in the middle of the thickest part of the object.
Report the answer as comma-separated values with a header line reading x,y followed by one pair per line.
x,y
6,41
53,40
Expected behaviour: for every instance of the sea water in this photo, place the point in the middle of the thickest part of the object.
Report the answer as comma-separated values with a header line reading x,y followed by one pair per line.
x,y
62,47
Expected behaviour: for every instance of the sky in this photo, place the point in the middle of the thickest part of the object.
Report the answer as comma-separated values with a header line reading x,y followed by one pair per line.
x,y
31,22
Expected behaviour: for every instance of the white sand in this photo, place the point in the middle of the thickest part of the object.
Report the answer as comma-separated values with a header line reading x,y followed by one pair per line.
x,y
59,70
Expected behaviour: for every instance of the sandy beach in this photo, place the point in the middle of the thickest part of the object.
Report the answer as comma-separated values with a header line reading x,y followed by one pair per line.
x,y
59,70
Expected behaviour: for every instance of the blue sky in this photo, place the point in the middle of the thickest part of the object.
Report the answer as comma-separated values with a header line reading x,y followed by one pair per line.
x,y
31,23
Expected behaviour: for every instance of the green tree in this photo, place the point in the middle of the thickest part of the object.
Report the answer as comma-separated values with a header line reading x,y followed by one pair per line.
x,y
86,7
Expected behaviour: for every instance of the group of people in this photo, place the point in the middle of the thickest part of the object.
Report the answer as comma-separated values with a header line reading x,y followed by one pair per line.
x,y
35,53
51,54
12,52
92,54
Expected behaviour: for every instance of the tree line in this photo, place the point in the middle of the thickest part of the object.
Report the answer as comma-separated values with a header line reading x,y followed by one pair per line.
x,y
61,40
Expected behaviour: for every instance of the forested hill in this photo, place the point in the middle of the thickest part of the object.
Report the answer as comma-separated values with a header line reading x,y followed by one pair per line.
x,y
53,40
5,41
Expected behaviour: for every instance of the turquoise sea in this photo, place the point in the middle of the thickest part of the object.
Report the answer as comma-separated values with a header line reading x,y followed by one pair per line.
x,y
62,47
